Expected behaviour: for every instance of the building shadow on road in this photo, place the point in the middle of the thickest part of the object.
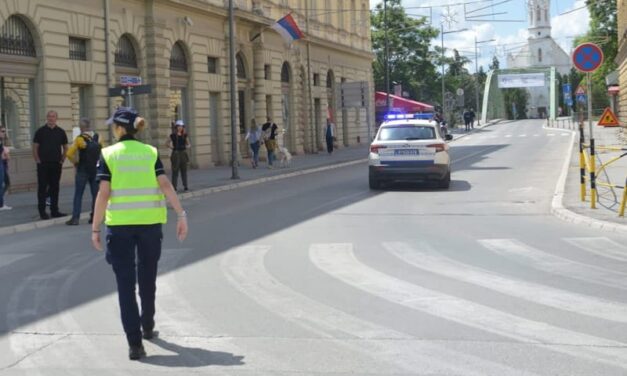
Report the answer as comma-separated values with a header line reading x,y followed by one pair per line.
x,y
190,357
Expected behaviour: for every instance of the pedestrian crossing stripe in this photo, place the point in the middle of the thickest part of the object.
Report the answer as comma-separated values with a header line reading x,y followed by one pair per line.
x,y
608,119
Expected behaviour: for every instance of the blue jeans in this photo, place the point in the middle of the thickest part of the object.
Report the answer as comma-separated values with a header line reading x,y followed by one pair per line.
x,y
1,183
123,242
255,146
80,181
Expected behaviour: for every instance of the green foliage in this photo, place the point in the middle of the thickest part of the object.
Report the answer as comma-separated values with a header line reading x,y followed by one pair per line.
x,y
495,63
519,97
410,55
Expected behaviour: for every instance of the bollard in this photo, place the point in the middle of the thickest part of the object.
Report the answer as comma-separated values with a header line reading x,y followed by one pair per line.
x,y
593,188
621,213
582,164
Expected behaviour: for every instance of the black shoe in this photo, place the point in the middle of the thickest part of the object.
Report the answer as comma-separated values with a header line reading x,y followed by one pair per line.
x,y
58,215
136,352
72,222
44,216
149,334
186,189
91,219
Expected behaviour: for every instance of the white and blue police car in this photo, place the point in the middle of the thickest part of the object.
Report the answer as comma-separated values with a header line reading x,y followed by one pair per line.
x,y
409,148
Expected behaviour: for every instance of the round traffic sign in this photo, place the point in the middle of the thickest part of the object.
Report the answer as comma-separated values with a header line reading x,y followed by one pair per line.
x,y
460,92
587,57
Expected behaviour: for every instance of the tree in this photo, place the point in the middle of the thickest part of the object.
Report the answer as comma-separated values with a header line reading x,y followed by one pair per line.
x,y
410,54
516,103
495,63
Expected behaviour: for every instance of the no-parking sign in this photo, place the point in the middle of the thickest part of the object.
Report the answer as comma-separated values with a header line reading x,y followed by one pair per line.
x,y
587,57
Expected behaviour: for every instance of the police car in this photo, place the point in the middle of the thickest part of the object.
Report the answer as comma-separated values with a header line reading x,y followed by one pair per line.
x,y
409,147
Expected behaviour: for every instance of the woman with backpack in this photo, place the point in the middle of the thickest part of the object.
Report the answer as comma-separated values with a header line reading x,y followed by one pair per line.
x,y
88,146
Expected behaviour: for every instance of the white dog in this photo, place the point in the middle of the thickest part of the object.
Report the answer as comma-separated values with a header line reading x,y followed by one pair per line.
x,y
284,156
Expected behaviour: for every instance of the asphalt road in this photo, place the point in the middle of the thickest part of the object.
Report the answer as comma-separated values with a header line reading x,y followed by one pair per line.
x,y
318,275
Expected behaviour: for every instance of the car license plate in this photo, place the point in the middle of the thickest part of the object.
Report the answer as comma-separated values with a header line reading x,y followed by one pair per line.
x,y
406,152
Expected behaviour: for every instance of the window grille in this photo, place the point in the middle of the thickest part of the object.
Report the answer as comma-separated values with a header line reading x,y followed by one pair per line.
x,y
285,73
78,49
212,64
16,39
178,62
241,69
125,53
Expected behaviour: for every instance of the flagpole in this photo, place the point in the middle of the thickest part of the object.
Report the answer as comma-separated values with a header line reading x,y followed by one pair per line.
x,y
314,148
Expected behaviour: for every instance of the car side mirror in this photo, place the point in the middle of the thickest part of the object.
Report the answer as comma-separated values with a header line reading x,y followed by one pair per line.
x,y
448,137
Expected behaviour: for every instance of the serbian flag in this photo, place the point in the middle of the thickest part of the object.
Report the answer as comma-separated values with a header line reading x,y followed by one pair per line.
x,y
288,29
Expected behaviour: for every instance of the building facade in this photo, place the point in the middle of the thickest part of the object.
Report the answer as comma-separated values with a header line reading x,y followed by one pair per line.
x,y
65,55
541,51
621,61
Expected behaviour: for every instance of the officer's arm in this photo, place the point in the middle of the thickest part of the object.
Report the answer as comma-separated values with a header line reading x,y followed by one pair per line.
x,y
170,194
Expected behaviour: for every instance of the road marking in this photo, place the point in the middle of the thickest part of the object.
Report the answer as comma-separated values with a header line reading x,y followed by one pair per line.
x,y
551,134
424,258
508,135
245,269
339,261
9,258
600,246
536,135
555,264
522,135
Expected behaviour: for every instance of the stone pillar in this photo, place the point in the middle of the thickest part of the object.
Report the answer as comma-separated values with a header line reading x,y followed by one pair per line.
x,y
158,75
259,91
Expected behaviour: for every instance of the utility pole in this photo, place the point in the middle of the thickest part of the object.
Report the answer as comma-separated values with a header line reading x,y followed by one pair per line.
x,y
442,32
387,56
234,133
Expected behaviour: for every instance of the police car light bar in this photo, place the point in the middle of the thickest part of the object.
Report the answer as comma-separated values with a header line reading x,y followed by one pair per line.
x,y
419,115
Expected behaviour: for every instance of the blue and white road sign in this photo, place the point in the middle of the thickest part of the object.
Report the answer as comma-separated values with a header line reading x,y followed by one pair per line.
x,y
566,88
583,98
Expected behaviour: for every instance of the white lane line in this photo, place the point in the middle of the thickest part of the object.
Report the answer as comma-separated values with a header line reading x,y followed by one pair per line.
x,y
601,246
245,269
536,135
522,135
339,261
551,134
555,264
508,135
564,134
10,258
425,258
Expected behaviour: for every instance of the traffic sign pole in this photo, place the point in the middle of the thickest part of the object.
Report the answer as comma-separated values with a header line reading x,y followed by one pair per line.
x,y
593,189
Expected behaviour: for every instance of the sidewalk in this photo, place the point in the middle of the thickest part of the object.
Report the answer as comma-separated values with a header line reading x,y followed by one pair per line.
x,y
25,216
606,213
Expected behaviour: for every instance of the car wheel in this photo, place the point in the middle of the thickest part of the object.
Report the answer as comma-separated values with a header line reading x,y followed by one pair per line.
x,y
373,183
446,181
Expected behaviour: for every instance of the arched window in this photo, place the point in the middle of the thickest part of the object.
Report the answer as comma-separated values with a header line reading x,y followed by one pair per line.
x,y
539,55
178,61
285,73
125,53
16,39
241,68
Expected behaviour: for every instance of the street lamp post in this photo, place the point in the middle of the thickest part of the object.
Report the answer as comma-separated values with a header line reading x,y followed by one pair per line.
x,y
477,76
442,32
387,56
234,173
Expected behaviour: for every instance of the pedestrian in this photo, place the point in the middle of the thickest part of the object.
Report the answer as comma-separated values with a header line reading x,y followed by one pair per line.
x,y
466,116
254,140
131,200
270,130
329,135
179,144
4,164
473,115
49,150
88,146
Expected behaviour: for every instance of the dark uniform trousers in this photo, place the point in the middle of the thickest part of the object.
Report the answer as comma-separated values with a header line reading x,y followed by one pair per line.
x,y
122,242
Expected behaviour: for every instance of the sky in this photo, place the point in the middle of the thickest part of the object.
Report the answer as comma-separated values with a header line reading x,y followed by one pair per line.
x,y
505,21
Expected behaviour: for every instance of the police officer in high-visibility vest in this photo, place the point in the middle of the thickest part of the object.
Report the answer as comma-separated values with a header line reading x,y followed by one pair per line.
x,y
131,199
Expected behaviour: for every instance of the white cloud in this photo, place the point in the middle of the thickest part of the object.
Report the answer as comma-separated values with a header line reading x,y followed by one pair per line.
x,y
570,24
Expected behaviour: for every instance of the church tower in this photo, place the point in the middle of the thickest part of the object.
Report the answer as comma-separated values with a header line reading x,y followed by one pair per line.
x,y
539,18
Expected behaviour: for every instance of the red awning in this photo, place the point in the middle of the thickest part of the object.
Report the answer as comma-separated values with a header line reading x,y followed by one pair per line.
x,y
401,104
613,90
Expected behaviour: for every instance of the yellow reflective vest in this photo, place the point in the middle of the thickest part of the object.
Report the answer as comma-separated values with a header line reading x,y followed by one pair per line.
x,y
136,198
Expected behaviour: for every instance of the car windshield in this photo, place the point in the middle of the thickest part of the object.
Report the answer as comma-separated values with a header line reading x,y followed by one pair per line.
x,y
407,133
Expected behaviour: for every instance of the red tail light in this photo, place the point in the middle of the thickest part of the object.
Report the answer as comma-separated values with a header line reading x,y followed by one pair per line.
x,y
438,147
375,148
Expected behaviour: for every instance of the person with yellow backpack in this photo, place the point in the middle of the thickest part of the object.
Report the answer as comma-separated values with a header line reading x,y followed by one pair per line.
x,y
131,199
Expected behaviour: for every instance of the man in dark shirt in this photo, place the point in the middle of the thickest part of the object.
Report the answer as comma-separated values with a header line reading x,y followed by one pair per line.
x,y
269,130
49,150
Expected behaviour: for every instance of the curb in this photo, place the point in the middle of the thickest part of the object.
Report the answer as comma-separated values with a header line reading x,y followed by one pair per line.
x,y
29,226
557,205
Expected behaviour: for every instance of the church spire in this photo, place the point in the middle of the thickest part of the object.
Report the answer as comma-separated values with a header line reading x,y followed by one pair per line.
x,y
539,18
